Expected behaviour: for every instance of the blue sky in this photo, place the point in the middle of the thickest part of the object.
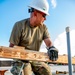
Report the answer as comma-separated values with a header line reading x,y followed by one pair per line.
x,y
62,14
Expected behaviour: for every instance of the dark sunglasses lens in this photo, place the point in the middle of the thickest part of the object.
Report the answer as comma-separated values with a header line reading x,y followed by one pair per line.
x,y
44,15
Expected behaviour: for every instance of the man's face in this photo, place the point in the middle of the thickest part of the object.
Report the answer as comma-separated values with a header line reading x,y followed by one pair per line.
x,y
40,17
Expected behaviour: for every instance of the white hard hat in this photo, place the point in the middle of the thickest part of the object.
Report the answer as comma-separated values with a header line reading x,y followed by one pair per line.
x,y
40,5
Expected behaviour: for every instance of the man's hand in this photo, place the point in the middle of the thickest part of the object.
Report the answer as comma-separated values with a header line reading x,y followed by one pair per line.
x,y
53,53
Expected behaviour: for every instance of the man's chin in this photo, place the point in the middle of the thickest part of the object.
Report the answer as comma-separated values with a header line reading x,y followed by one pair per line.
x,y
39,24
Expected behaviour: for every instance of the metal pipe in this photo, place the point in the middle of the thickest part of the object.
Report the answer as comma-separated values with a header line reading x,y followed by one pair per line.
x,y
69,50
21,70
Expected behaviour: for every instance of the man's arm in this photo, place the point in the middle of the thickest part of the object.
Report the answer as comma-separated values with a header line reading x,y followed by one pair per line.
x,y
11,45
48,42
52,51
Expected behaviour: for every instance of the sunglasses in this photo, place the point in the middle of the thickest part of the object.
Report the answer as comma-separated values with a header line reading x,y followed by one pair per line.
x,y
43,15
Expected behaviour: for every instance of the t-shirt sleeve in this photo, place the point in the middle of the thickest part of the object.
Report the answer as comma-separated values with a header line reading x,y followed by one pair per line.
x,y
15,34
46,33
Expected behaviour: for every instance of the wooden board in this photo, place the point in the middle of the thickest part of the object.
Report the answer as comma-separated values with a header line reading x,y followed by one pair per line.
x,y
24,54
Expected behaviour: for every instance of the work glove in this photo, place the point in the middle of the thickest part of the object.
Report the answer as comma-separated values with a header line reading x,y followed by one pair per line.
x,y
52,53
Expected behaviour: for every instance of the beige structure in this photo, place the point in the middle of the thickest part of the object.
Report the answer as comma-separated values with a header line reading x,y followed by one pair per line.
x,y
23,54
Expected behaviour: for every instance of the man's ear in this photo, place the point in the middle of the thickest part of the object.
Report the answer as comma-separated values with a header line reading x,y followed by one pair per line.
x,y
35,13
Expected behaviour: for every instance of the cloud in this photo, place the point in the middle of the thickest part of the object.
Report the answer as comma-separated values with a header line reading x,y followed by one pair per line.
x,y
43,47
61,43
54,4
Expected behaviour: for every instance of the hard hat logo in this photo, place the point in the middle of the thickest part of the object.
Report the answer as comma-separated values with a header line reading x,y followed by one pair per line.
x,y
44,9
40,5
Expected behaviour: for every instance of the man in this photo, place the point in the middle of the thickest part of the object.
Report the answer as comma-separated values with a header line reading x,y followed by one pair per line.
x,y
30,33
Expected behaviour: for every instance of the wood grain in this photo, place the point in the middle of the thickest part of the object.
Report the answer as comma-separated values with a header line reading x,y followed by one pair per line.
x,y
24,54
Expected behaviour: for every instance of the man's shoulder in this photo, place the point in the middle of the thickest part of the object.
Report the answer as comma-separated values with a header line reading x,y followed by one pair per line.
x,y
23,20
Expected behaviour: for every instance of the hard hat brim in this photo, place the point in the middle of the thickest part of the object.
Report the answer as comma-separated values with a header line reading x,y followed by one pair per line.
x,y
39,10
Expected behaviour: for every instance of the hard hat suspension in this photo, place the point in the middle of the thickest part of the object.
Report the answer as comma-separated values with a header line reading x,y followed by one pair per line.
x,y
30,10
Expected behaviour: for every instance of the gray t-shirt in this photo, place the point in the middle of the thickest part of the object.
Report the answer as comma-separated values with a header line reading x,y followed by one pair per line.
x,y
29,37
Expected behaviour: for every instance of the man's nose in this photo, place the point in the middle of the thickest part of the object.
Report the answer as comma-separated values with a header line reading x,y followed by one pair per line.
x,y
44,18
